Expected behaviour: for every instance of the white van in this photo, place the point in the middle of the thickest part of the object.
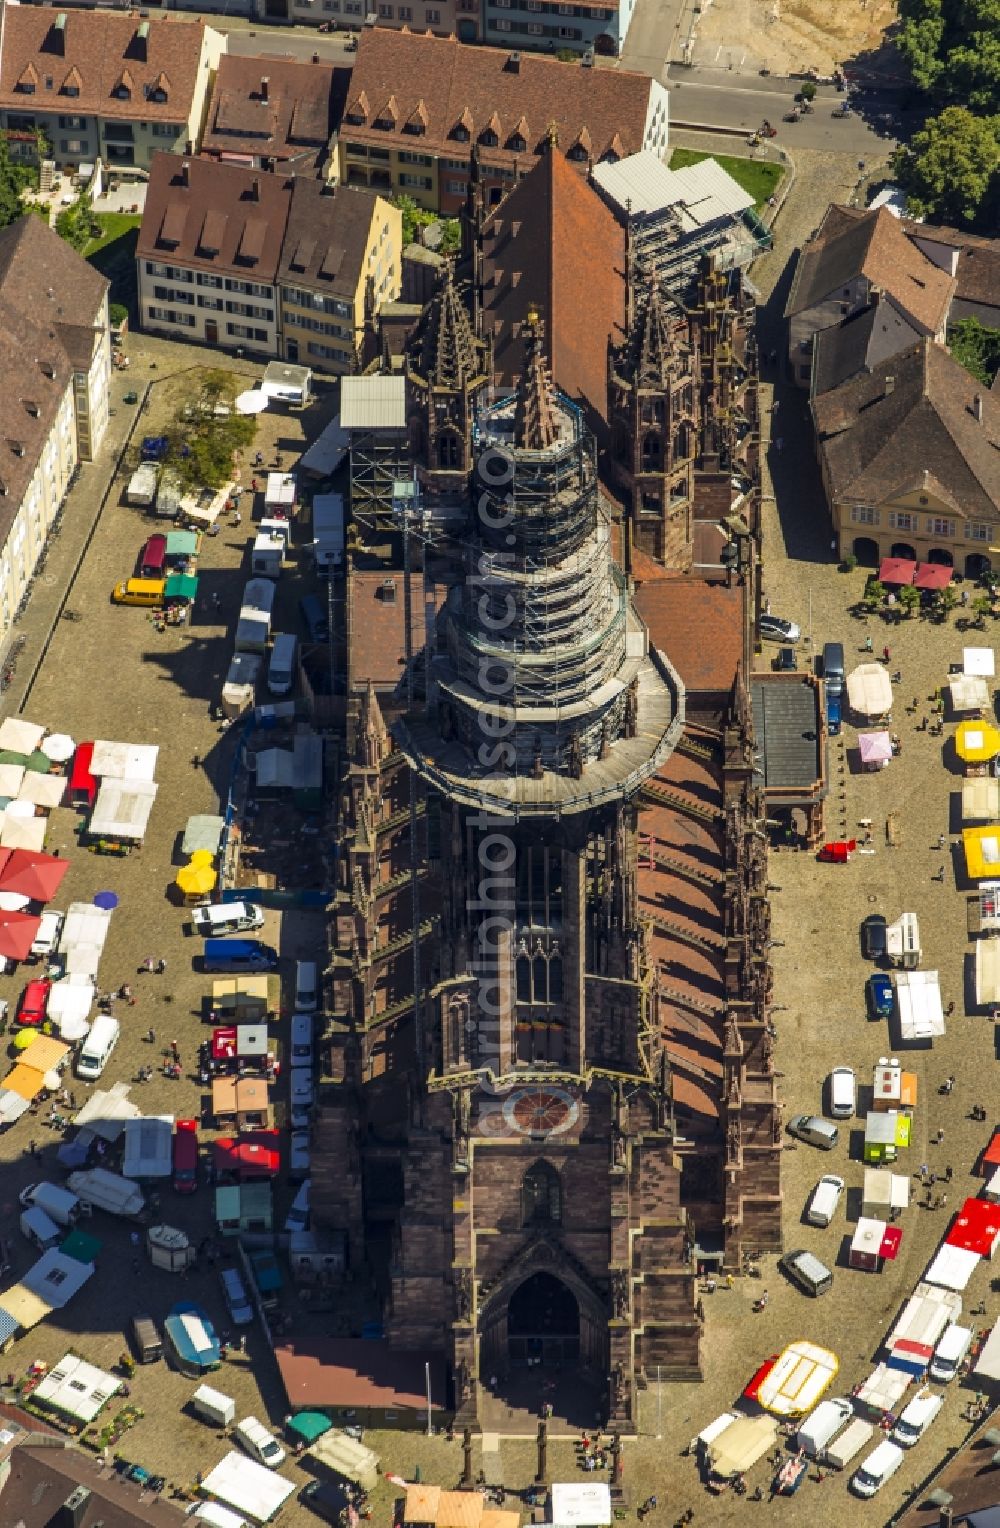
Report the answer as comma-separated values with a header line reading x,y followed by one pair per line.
x,y
824,1201
216,918
254,1438
950,1351
302,1039
880,1466
843,1092
47,938
213,1407
281,668
96,1049
306,986
708,1434
821,1426
40,1230
915,1419
217,1517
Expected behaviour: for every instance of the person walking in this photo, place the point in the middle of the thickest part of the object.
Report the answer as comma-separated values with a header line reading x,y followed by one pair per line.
x,y
161,966
940,1137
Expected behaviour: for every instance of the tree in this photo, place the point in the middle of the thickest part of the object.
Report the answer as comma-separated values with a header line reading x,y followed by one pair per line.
x,y
951,165
808,91
74,223
982,605
874,594
13,179
947,599
976,348
206,433
908,599
414,218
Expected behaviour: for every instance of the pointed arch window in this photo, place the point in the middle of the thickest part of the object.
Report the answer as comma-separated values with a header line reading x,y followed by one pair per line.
x,y
541,1196
652,452
448,450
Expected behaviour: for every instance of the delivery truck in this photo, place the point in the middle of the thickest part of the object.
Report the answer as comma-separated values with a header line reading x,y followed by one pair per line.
x,y
141,489
58,1203
847,1444
922,1322
328,531
821,1426
108,1191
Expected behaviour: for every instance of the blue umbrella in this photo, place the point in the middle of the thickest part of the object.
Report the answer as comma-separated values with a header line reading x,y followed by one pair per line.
x,y
108,899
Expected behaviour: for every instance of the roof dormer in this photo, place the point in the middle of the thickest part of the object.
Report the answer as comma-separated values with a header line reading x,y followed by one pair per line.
x,y
72,84
388,117
518,140
462,130
124,86
490,135
418,119
27,80
582,146
159,90
359,110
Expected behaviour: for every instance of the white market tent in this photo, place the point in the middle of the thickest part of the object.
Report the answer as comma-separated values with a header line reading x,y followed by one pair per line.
x,y
56,1278
969,693
981,799
327,451
346,1457
978,662
581,1504
45,791
987,1365
12,1106
105,1112
122,809
19,736
254,1490
738,1448
203,831
801,1375
125,761
869,690
85,924
76,1389
884,1192
70,1001
987,971
921,1016
22,832
11,778
952,1267
279,491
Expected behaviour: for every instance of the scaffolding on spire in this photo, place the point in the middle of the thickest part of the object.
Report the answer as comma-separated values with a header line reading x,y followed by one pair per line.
x,y
534,422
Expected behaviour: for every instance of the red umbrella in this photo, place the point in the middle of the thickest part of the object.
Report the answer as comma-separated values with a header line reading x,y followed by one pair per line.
x,y
37,876
896,570
17,934
932,575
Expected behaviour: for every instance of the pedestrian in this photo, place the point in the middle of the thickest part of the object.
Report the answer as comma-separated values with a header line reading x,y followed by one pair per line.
x,y
151,1036
33,1148
924,1170
940,1137
950,1009
72,1100
237,517
253,485
948,1173
161,966
243,1343
941,838
942,1201
125,991
885,655
147,965
932,1179
174,1050
258,460
868,645
135,1238
938,875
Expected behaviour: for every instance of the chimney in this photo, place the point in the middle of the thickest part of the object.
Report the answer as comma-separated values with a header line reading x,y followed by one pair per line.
x,y
890,387
184,173
255,189
73,1510
265,82
977,407
513,64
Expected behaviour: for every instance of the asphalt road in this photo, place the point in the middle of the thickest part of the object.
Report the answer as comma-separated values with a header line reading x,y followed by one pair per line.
x,y
710,97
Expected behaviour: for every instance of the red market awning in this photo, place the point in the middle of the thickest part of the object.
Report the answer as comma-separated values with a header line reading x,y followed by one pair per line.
x,y
224,1043
38,876
891,1238
932,575
18,932
896,570
976,1227
750,1393
991,1156
249,1156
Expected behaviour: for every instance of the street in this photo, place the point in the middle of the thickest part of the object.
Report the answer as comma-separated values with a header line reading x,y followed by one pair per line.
x,y
712,97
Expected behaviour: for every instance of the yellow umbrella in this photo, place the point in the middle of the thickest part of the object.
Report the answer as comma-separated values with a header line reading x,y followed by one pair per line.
x,y
982,851
24,1038
201,857
196,880
975,742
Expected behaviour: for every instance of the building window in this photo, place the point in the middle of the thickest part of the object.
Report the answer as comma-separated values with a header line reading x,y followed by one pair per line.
x,y
902,520
865,514
416,182
167,316
205,280
488,137
433,18
652,452
977,532
541,1196
329,352
939,527
385,11
455,187
245,332
502,26
448,450
72,124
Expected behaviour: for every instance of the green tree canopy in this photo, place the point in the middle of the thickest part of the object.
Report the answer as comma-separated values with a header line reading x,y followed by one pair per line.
x,y
976,348
206,432
950,166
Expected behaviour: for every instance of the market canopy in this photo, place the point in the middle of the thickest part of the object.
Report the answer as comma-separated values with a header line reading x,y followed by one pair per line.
x,y
38,876
932,575
869,690
181,587
987,972
18,932
122,809
980,799
46,791
896,570
196,880
182,543
975,742
309,1425
876,747
11,778
969,693
982,850
978,661
22,832
203,831
59,747
124,761
20,736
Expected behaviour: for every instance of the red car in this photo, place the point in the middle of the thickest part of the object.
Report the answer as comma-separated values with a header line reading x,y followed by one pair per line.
x,y
34,1001
186,1156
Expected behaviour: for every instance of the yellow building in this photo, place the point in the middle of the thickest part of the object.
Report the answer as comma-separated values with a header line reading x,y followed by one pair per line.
x,y
341,259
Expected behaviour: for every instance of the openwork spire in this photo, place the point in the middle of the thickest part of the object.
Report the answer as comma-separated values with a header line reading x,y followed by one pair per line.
x,y
446,353
650,346
534,423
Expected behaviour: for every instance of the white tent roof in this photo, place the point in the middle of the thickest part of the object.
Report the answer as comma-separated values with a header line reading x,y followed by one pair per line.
x,y
83,959
987,971
347,1457
869,690
643,185
70,997
953,1267
42,790
20,736
122,808
23,833
251,1488
203,831
981,799
918,993
12,1106
56,1278
969,694
280,488
125,761
105,1112
76,1389
327,451
581,1504
11,776
85,924
800,1376
373,403
978,661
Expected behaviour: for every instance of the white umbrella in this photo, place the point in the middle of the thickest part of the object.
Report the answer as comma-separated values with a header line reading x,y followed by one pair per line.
x,y
52,1081
251,402
13,902
59,747
21,809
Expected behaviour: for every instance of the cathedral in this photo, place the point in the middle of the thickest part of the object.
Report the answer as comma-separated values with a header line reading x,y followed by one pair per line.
x,y
548,980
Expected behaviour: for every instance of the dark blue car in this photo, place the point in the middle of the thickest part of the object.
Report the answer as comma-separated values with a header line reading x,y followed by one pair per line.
x,y
834,713
881,998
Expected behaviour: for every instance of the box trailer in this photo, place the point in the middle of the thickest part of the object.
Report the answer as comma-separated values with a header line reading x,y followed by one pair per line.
x,y
739,1447
821,1426
987,1365
148,1148
847,1444
141,489
254,626
883,1389
328,531
929,1310
921,1016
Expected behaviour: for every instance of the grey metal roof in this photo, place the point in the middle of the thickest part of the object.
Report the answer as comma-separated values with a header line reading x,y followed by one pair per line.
x,y
373,403
642,185
786,726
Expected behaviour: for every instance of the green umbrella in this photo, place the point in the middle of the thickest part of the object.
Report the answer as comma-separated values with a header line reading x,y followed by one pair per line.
x,y
81,1247
8,756
309,1425
39,763
181,586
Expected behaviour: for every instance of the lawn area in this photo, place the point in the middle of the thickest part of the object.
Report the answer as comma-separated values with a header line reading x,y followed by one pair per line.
x,y
757,176
114,225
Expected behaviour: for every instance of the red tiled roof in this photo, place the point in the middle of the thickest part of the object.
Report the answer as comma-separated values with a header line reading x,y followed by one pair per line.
x,y
288,117
95,52
555,246
348,1371
397,73
219,217
698,625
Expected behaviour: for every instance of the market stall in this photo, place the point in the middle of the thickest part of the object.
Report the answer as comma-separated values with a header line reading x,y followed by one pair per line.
x,y
979,662
968,694
121,815
987,964
976,743
892,1088
885,1135
982,850
241,1100
875,749
873,1245
798,1379
203,831
884,1194
921,1016
869,690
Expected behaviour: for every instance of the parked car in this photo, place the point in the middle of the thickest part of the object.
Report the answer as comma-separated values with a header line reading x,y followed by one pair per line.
x,y
302,1096
785,662
881,996
34,1001
47,937
297,1218
834,714
298,1156
806,1270
774,628
325,1498
235,1294
814,1131
873,937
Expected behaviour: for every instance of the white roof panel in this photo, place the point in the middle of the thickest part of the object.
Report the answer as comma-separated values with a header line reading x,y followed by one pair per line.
x,y
124,761
581,1504
122,809
705,191
251,1488
373,403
